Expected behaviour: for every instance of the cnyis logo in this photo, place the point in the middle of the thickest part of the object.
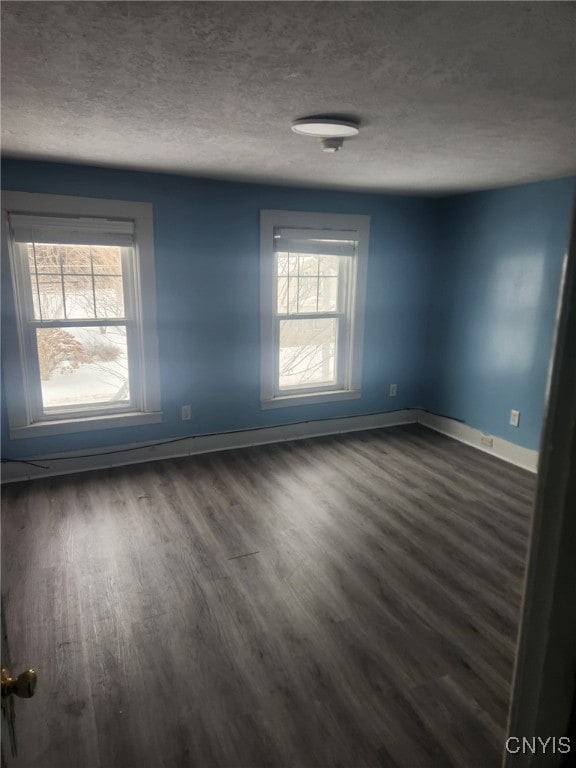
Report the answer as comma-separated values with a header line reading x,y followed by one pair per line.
x,y
538,745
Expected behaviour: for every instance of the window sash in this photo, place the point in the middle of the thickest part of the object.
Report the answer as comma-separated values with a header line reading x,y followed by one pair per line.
x,y
341,344
343,331
31,362
32,286
29,346
344,278
83,410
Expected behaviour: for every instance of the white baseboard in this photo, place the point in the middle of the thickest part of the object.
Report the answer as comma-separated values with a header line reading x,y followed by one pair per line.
x,y
141,452
502,449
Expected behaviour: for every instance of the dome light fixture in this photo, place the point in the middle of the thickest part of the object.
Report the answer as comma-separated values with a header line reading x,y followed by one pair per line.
x,y
330,131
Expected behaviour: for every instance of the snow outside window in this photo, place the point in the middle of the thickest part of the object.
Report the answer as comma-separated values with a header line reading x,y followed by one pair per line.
x,y
83,351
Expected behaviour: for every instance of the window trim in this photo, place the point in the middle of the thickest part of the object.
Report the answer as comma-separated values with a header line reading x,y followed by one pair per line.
x,y
19,388
270,219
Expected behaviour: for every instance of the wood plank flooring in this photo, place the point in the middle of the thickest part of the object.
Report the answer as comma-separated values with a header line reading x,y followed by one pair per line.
x,y
341,602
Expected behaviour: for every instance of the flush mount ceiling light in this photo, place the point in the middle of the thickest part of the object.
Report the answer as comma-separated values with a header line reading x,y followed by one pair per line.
x,y
331,132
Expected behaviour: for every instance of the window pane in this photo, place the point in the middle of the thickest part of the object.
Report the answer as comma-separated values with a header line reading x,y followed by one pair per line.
x,y
282,307
82,367
75,259
308,266
107,260
109,296
307,352
79,297
45,258
329,265
51,304
91,277
328,294
282,264
307,294
292,294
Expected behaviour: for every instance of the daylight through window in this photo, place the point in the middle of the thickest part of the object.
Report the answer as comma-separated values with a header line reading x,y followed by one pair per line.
x,y
75,294
313,277
80,365
312,288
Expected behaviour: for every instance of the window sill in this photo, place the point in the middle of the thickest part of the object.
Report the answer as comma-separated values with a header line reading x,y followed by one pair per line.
x,y
285,401
68,426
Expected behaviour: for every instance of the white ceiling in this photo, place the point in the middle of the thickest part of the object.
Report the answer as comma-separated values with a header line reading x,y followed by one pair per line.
x,y
452,96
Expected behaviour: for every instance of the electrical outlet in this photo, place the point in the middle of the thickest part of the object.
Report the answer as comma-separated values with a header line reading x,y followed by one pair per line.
x,y
487,441
393,390
514,418
186,413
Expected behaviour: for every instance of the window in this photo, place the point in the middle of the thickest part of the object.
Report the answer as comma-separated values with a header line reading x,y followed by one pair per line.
x,y
313,276
87,353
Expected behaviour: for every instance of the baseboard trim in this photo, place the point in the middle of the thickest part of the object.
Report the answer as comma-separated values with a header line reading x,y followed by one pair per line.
x,y
142,452
502,449
137,453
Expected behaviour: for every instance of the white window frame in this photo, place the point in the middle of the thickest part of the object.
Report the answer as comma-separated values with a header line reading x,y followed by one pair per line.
x,y
350,352
21,374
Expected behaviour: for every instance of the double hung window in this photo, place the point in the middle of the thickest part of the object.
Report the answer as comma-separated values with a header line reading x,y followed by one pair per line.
x,y
87,349
313,280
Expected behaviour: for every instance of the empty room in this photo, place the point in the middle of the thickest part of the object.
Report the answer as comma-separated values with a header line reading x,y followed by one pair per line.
x,y
286,408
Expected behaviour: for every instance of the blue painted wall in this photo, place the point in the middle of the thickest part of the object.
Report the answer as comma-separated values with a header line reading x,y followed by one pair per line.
x,y
207,272
461,301
492,311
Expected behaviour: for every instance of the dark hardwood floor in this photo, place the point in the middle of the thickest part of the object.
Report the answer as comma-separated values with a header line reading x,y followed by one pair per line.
x,y
340,602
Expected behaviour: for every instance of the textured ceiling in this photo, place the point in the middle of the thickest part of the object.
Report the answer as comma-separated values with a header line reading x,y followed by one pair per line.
x,y
451,96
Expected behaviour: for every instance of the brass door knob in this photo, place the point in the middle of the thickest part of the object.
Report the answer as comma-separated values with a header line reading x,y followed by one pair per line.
x,y
24,685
